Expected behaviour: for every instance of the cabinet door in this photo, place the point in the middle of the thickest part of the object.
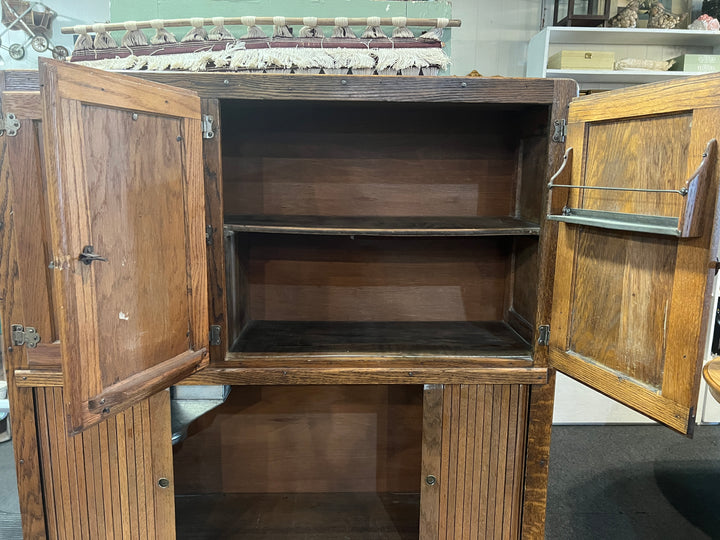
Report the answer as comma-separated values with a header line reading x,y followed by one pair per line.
x,y
123,159
635,263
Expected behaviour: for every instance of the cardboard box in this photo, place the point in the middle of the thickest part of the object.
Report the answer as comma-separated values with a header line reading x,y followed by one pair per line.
x,y
697,62
582,60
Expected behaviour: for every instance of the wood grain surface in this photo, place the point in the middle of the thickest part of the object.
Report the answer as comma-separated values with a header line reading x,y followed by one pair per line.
x,y
103,483
478,448
129,184
19,171
361,88
305,439
630,310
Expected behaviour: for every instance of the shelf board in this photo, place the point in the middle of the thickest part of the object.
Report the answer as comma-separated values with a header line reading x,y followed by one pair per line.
x,y
382,340
585,76
383,226
632,36
298,515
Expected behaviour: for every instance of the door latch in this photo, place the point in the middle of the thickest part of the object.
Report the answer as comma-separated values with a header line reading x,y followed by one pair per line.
x,y
22,335
88,256
544,334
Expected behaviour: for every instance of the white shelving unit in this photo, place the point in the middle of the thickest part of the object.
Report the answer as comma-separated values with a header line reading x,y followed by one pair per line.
x,y
646,43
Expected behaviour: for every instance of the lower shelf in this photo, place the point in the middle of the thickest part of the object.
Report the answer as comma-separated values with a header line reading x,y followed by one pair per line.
x,y
451,339
298,515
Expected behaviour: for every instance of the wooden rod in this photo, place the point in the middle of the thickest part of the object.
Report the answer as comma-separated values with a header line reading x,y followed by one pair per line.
x,y
259,21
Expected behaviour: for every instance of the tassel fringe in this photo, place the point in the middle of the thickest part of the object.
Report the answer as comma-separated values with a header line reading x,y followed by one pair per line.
x,y
219,32
161,36
408,61
197,32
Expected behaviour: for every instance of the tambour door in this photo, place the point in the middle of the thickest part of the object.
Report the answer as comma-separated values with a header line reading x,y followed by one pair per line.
x,y
124,171
635,203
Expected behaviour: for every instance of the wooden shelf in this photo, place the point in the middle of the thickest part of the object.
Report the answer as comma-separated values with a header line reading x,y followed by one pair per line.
x,y
298,515
383,226
378,340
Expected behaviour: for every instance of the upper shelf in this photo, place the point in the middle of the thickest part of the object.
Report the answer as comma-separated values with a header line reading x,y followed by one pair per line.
x,y
383,226
645,43
631,36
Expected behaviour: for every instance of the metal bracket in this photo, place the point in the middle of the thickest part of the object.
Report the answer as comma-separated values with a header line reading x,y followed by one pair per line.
x,y
544,335
207,126
215,335
209,232
560,131
24,336
9,125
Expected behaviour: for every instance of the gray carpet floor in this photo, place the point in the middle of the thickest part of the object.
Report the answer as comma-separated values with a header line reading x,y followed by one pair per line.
x,y
619,482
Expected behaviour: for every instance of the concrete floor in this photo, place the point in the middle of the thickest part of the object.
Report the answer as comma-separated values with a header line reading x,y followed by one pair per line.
x,y
619,482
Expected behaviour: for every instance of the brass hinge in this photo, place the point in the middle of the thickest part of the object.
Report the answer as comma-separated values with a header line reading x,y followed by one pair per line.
x,y
544,335
207,126
215,335
9,125
560,131
22,335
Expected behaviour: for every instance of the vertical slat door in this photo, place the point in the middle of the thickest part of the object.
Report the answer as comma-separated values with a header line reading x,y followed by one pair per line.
x,y
125,187
473,458
635,263
114,480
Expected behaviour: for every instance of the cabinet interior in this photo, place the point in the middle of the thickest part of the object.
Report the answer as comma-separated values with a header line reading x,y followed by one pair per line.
x,y
382,229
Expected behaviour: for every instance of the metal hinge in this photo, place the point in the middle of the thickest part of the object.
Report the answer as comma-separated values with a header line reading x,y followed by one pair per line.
x,y
560,131
209,232
24,336
544,334
207,126
215,335
9,125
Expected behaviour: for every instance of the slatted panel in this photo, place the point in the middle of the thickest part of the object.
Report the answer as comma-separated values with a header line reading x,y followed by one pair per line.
x,y
481,461
102,483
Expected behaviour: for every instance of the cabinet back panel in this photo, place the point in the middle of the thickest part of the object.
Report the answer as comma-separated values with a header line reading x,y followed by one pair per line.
x,y
305,439
358,159
377,279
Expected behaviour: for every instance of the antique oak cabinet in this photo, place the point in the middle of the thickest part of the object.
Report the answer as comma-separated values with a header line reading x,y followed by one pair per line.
x,y
386,270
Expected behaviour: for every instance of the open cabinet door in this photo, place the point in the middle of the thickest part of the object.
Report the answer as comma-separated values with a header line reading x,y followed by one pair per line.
x,y
123,160
637,244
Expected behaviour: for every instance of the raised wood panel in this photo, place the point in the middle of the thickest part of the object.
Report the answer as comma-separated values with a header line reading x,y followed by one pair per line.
x,y
640,160
377,279
305,439
636,272
103,483
476,454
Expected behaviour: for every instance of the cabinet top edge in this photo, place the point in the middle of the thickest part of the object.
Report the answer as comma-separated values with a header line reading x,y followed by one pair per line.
x,y
228,85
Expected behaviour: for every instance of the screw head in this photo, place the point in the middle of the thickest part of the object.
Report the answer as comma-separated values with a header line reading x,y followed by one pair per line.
x,y
430,480
463,85
163,483
343,82
106,410
179,138
135,116
226,82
